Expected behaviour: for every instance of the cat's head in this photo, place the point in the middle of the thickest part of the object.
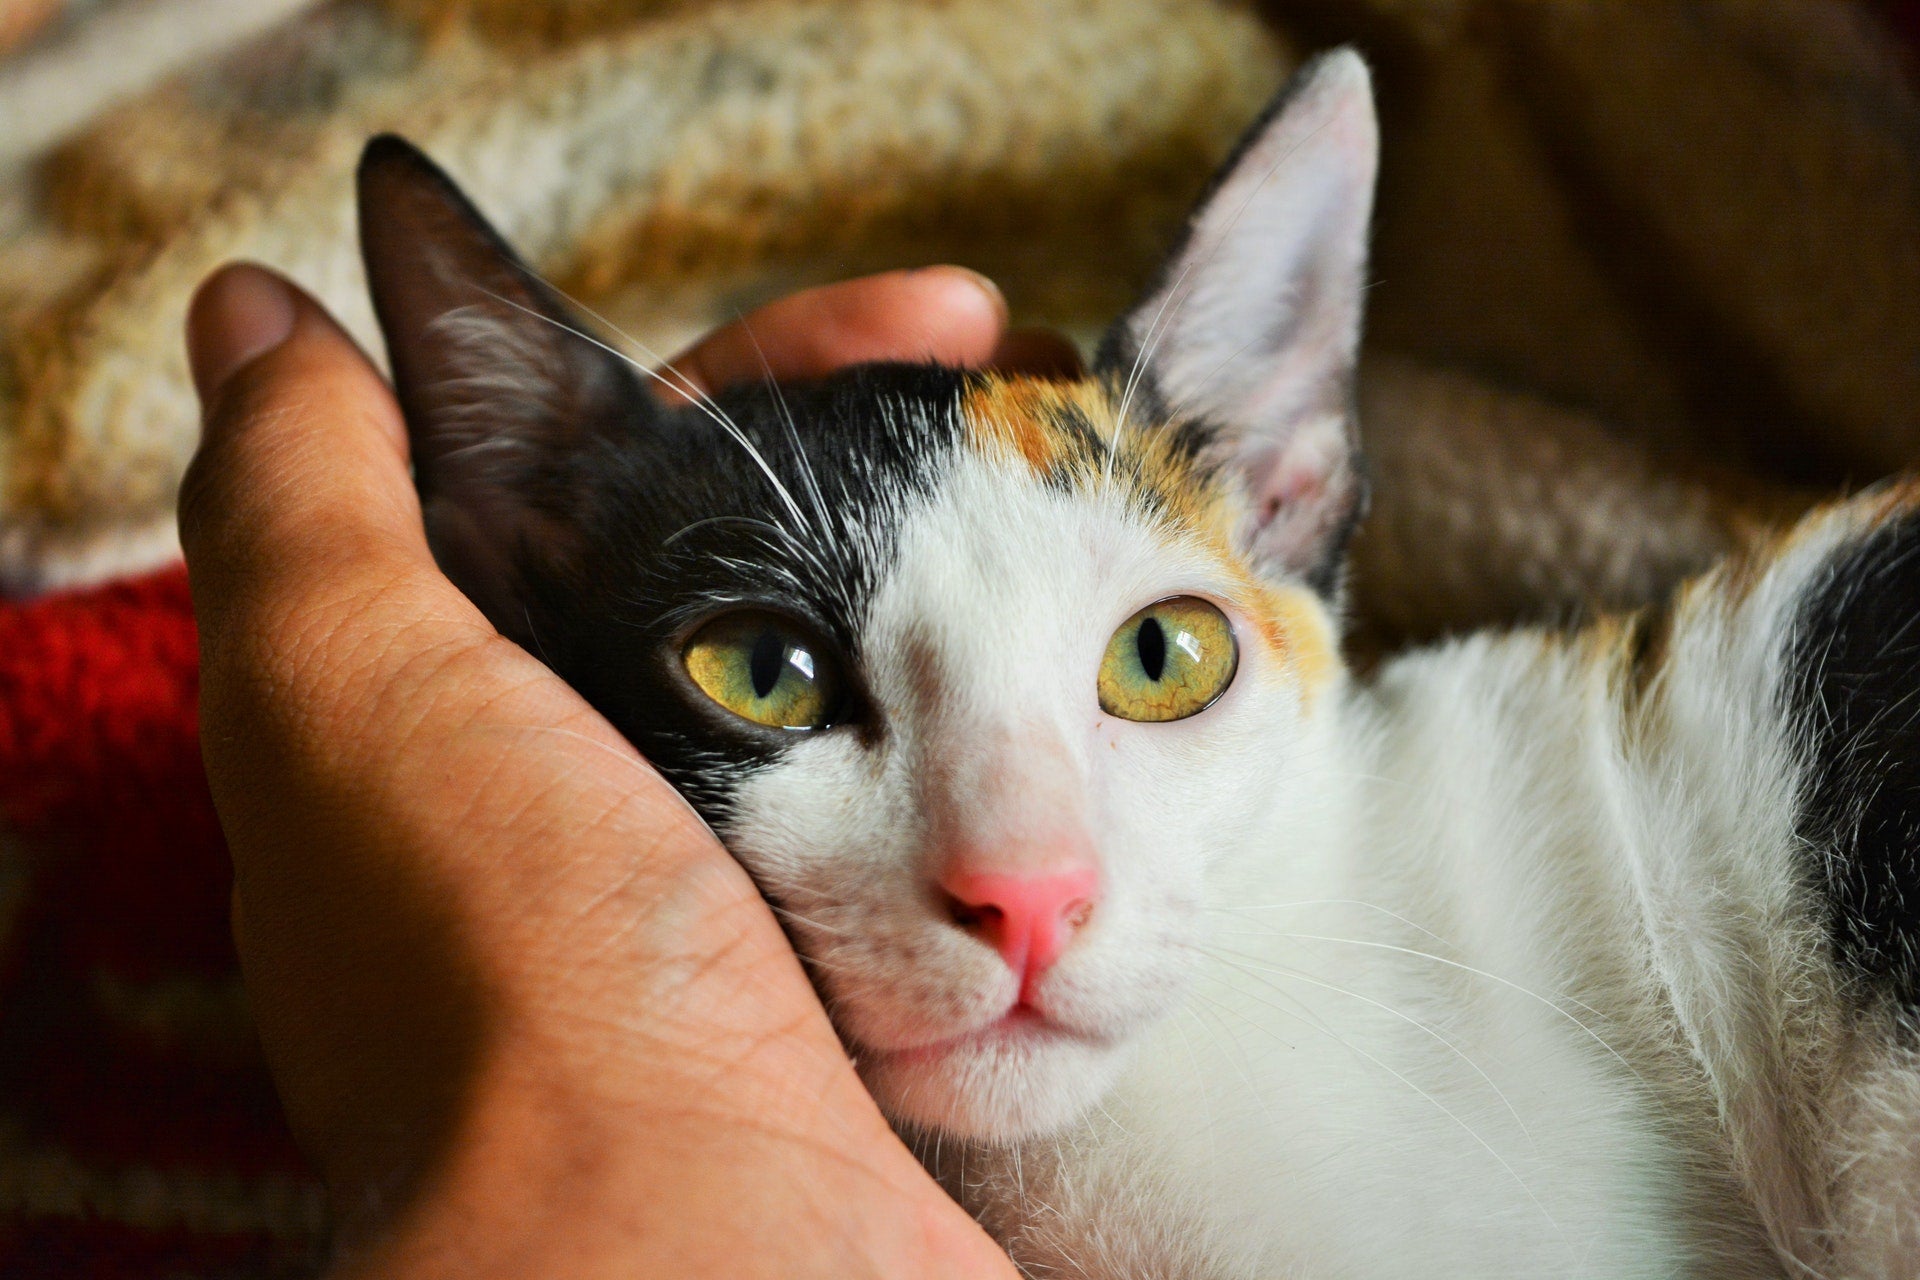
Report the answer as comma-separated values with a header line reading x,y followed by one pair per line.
x,y
993,684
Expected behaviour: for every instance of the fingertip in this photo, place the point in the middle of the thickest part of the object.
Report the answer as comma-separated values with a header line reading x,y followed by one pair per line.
x,y
943,314
253,335
967,294
239,313
302,453
947,314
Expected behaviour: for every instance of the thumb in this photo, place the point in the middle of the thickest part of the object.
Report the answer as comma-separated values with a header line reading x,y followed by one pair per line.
x,y
298,502
239,312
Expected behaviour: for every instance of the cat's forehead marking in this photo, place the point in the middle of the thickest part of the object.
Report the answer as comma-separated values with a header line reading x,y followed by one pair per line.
x,y
1297,627
1055,428
1067,434
1063,432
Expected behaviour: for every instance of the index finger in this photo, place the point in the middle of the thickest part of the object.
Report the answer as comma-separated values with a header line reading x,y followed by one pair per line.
x,y
948,315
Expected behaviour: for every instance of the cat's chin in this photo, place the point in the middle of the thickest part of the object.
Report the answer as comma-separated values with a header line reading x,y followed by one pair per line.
x,y
1012,1081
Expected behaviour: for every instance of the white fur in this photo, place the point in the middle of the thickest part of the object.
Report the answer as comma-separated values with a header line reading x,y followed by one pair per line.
x,y
1498,965
1501,964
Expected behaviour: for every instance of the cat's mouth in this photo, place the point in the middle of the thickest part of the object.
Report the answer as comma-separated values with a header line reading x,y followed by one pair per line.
x,y
1022,1025
1022,1074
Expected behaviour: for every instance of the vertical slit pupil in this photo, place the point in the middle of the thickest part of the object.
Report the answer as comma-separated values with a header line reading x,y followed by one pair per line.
x,y
764,662
1151,643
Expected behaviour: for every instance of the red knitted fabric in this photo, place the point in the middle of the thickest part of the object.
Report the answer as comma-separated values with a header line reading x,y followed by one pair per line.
x,y
139,1134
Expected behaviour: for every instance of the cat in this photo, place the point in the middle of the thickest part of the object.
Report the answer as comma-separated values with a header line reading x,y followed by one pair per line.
x,y
1173,947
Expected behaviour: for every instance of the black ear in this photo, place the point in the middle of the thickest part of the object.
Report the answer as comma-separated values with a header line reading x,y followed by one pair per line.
x,y
501,388
1254,326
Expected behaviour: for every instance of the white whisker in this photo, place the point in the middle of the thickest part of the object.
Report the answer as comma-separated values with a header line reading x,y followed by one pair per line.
x,y
704,402
1550,1000
807,475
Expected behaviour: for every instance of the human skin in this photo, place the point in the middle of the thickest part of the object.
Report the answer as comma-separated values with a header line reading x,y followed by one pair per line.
x,y
526,1016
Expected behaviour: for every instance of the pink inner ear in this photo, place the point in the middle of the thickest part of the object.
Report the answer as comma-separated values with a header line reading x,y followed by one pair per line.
x,y
1298,493
1291,485
1257,330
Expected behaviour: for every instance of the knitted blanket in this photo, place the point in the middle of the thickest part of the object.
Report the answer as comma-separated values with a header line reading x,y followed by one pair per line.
x,y
1647,280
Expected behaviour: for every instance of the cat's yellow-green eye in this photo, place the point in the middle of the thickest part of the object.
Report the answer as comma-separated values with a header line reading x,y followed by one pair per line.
x,y
764,669
1168,661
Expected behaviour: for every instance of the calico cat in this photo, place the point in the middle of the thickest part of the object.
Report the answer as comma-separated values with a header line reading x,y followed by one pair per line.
x,y
1174,948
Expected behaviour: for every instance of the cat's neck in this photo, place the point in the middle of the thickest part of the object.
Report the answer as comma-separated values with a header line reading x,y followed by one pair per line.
x,y
1516,792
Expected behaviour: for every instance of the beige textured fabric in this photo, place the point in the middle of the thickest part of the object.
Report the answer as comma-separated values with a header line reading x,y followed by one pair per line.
x,y
671,168
103,52
1648,270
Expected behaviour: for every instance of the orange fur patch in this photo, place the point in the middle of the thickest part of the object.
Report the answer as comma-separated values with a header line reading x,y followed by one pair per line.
x,y
1297,628
1028,418
1039,424
1062,430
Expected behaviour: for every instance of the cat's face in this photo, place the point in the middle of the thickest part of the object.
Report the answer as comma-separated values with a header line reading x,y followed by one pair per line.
x,y
992,684
985,774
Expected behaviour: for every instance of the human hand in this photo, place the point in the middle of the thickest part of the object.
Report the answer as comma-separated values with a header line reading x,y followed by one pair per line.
x,y
524,1013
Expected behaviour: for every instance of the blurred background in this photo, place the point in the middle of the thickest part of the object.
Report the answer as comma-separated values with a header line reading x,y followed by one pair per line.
x,y
1646,284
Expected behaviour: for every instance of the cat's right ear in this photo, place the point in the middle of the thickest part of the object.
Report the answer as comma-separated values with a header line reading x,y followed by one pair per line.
x,y
499,383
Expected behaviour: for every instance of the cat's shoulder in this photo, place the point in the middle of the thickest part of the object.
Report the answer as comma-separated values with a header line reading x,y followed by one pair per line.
x,y
1781,692
1846,631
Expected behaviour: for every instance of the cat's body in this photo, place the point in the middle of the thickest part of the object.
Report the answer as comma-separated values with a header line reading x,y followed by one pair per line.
x,y
1520,967
1550,996
1176,950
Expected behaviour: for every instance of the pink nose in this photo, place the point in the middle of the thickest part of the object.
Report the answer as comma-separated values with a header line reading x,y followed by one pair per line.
x,y
1028,919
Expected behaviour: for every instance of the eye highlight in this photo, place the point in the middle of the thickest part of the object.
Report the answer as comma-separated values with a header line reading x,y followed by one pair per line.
x,y
1169,661
763,668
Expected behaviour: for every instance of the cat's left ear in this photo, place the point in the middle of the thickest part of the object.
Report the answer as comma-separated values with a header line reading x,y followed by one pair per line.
x,y
1253,329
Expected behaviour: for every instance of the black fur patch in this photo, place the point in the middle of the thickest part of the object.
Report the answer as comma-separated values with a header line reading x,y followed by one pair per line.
x,y
1854,684
597,526
678,521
